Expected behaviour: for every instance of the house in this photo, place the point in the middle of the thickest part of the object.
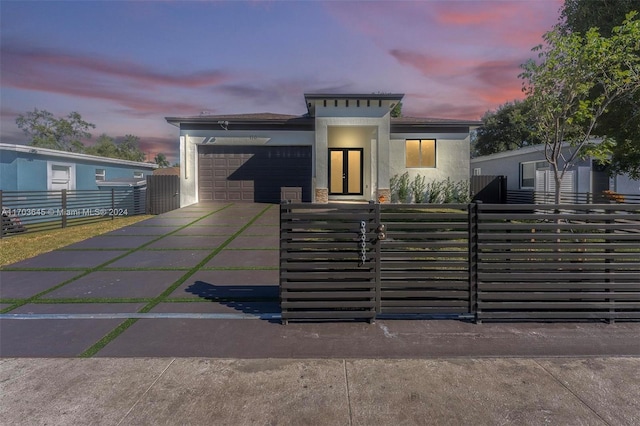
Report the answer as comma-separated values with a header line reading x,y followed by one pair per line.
x,y
527,169
346,147
28,168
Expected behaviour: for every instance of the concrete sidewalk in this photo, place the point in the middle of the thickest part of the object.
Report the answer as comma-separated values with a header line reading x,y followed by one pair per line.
x,y
199,391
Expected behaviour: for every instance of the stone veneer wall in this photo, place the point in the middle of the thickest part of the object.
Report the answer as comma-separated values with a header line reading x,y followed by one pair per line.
x,y
322,196
386,193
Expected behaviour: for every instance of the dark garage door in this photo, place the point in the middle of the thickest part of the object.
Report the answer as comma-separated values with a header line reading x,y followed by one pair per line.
x,y
252,173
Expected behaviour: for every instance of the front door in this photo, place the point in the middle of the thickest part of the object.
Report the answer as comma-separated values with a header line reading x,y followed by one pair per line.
x,y
345,171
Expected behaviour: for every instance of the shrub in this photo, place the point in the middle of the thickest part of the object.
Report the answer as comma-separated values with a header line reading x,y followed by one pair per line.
x,y
403,187
418,188
434,192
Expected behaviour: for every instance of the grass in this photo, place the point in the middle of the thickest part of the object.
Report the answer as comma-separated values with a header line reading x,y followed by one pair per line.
x,y
25,246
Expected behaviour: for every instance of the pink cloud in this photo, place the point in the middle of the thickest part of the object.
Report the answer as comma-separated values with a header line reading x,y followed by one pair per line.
x,y
133,86
429,64
29,57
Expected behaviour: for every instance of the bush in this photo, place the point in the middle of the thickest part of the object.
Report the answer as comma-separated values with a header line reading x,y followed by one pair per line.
x,y
403,187
434,192
418,188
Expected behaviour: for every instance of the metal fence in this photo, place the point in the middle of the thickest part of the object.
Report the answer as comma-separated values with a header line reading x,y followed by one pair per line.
x,y
30,211
480,261
163,193
525,196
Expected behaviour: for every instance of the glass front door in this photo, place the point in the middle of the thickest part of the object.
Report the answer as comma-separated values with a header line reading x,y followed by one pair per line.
x,y
345,171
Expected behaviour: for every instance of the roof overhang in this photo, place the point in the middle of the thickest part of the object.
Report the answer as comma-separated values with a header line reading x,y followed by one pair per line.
x,y
312,99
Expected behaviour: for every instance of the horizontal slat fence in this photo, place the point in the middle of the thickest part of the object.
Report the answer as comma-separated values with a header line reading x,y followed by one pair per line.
x,y
566,262
31,211
526,196
424,259
493,262
322,272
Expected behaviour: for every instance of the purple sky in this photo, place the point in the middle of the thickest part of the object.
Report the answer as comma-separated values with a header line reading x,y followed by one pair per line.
x,y
125,65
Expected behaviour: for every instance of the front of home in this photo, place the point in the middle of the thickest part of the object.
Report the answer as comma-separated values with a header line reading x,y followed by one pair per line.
x,y
346,147
28,168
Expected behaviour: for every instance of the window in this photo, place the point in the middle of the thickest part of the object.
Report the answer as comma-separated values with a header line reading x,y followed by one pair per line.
x,y
420,152
528,173
61,176
101,174
477,171
138,175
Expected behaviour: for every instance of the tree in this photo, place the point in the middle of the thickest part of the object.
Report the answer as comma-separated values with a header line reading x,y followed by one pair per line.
x,y
572,68
579,16
47,131
104,147
620,124
161,160
128,149
397,110
510,127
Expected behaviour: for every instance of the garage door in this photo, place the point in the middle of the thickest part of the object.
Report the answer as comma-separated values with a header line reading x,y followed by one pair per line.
x,y
253,173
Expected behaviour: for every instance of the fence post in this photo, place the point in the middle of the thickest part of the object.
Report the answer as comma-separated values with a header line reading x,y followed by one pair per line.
x,y
1,218
378,258
64,207
473,260
113,203
283,208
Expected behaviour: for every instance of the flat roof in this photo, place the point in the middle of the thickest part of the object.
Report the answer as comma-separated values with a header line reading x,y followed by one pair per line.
x,y
72,155
365,96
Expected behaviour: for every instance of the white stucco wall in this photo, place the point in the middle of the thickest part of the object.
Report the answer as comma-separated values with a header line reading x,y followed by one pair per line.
x,y
351,132
452,156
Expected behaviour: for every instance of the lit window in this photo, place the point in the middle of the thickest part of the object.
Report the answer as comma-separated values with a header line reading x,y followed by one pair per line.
x,y
420,152
101,174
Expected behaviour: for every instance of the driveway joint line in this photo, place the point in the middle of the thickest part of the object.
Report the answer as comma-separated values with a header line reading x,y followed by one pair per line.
x,y
346,385
572,392
145,392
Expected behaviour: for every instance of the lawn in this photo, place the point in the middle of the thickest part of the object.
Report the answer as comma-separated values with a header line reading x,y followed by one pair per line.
x,y
24,246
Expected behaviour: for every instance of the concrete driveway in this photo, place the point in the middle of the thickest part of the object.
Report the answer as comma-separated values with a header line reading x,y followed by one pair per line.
x,y
203,281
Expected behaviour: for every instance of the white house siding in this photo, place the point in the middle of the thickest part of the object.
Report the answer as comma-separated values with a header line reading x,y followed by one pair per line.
x,y
582,180
626,185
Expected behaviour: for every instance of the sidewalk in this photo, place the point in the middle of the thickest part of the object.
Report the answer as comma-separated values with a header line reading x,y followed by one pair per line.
x,y
198,391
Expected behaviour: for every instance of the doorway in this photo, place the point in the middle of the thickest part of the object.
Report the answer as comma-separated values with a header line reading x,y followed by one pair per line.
x,y
345,171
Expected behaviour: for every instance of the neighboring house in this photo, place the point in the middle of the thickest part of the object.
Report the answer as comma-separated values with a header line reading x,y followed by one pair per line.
x,y
527,169
28,168
346,147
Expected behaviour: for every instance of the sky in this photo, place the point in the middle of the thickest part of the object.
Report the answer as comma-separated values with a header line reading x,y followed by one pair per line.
x,y
126,65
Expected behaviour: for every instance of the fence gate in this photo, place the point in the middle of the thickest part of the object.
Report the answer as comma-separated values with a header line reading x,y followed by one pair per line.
x,y
358,261
163,193
424,259
328,264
